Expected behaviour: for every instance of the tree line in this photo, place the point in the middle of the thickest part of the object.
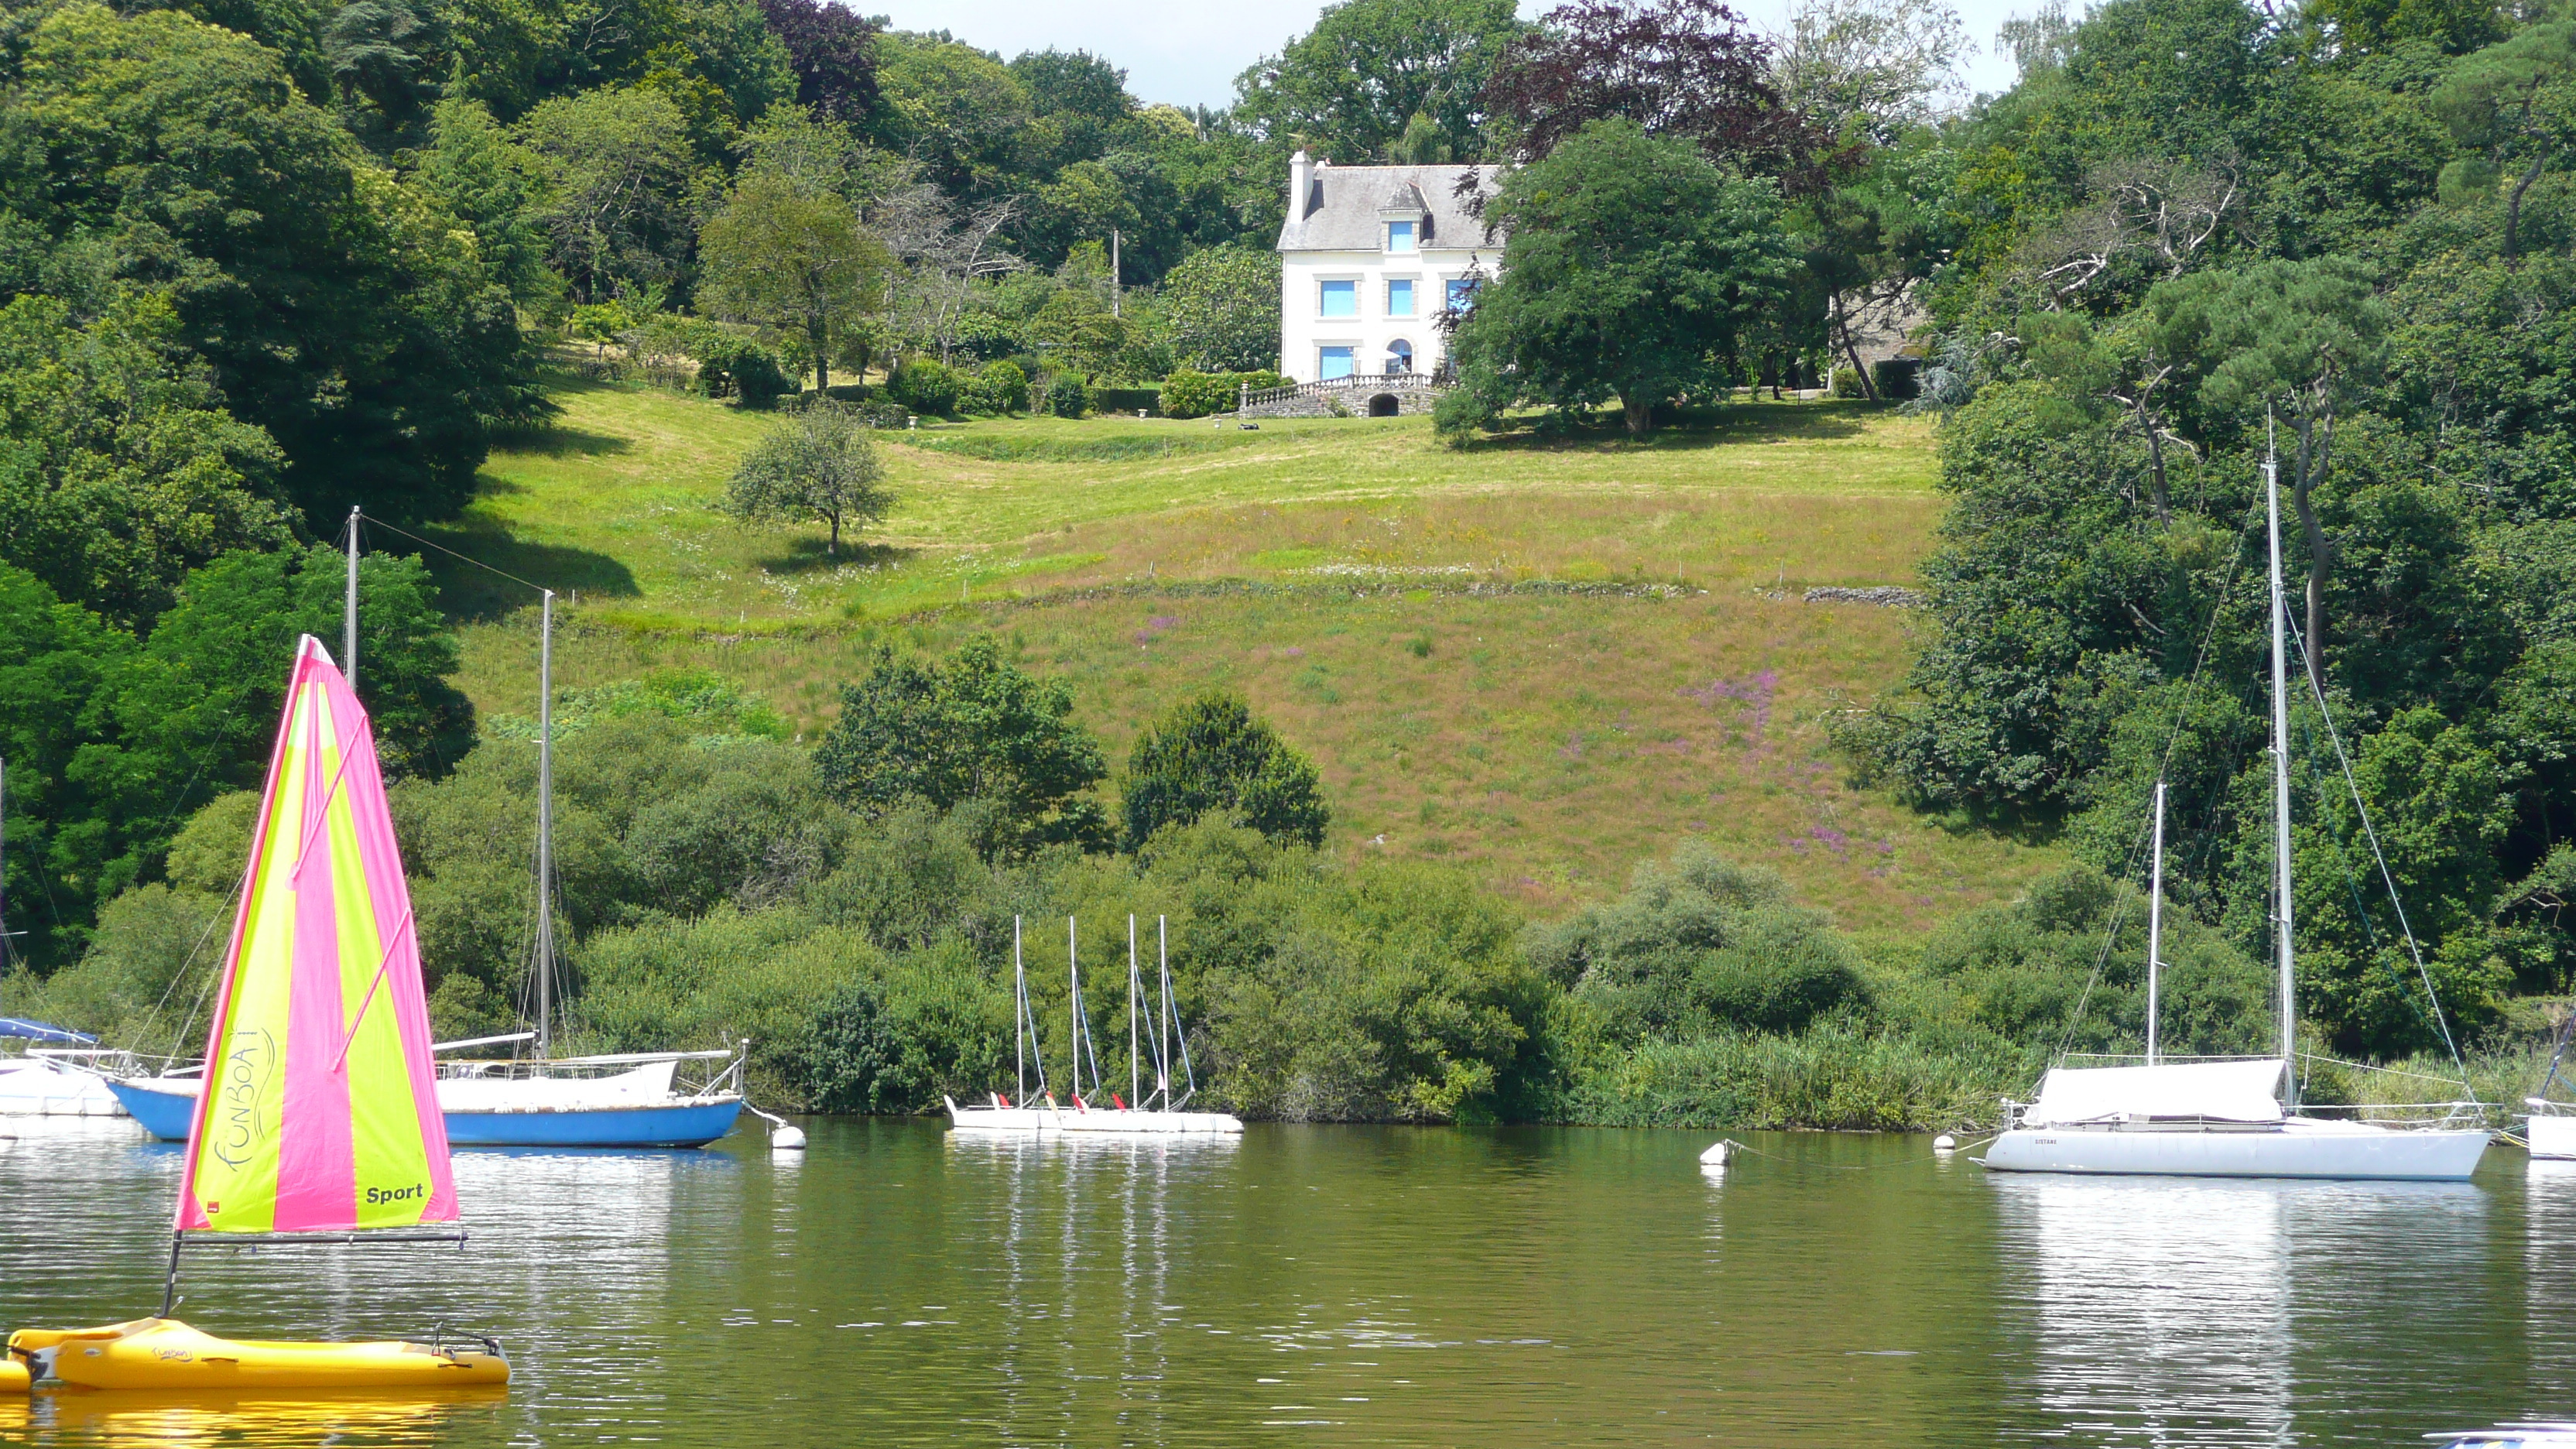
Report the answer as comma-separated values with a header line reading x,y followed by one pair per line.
x,y
259,265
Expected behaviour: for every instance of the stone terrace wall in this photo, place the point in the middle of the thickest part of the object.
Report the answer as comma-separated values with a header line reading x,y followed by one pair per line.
x,y
1411,399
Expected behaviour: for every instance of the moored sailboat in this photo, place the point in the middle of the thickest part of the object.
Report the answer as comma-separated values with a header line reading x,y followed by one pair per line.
x,y
324,1126
622,1100
1135,1114
2223,1118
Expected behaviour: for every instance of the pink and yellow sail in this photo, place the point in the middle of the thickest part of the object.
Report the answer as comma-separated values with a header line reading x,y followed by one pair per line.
x,y
320,1110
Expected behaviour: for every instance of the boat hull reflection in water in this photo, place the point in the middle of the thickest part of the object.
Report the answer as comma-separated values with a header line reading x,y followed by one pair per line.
x,y
2214,1312
2161,1307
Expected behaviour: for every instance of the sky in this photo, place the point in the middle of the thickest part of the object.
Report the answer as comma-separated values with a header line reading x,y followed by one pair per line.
x,y
1188,54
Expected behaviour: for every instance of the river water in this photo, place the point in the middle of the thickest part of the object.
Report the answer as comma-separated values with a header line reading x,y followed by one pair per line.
x,y
1350,1285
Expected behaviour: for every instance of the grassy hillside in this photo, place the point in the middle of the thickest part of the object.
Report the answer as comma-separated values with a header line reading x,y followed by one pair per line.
x,y
1544,660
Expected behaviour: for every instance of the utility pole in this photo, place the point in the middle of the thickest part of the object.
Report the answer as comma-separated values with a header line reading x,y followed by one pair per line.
x,y
349,611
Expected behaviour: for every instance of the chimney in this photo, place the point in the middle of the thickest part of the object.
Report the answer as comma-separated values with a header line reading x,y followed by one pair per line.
x,y
1300,182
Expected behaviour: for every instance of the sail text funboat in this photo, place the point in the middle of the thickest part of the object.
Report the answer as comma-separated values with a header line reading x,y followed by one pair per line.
x,y
322,1124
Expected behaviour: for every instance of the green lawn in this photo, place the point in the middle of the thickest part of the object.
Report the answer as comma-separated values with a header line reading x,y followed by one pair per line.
x,y
1400,609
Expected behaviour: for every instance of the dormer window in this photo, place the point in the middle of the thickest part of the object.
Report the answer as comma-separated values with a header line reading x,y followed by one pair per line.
x,y
1399,236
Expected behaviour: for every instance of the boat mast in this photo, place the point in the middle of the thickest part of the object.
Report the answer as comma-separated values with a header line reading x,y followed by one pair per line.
x,y
1135,1076
2281,784
349,611
2155,921
1019,1012
545,950
1073,1005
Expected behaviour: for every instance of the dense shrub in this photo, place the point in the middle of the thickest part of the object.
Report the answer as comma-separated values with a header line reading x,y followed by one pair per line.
x,y
1696,946
1124,400
972,727
1899,379
1212,754
1067,397
998,389
1188,394
925,386
2047,969
907,1032
738,367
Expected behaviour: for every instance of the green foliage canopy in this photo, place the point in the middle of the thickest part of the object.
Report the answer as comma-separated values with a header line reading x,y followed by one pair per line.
x,y
973,729
817,463
1632,268
1213,754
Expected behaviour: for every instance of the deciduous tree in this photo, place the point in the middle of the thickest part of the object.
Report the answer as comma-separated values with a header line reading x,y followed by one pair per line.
x,y
818,463
1632,266
973,728
793,258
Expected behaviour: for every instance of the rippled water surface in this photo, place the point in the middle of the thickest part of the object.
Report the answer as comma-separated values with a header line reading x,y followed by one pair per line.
x,y
897,1285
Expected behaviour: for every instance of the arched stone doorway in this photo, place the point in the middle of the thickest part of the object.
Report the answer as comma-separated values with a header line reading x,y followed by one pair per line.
x,y
1384,405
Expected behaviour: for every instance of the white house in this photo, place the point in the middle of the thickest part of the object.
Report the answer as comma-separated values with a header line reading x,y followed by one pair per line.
x,y
1369,258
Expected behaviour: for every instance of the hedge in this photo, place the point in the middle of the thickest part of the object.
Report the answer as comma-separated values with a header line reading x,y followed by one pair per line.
x,y
1188,394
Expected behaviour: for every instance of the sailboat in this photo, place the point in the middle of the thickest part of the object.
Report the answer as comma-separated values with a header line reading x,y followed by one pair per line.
x,y
2223,1118
1136,1113
2550,1132
324,1126
624,1100
1019,1113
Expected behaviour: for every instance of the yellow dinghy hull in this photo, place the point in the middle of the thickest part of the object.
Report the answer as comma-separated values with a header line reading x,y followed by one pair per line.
x,y
163,1353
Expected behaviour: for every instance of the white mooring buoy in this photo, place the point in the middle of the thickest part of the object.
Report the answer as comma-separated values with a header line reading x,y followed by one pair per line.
x,y
787,1139
1716,1156
1945,1143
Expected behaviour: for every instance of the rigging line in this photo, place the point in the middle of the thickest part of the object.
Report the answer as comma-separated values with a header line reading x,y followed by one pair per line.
x,y
2173,740
451,553
2566,1029
2367,1067
2413,947
232,907
2351,880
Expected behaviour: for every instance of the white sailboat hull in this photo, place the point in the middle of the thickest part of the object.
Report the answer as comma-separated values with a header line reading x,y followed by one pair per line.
x,y
40,1087
1106,1121
997,1119
1134,1122
2299,1147
2552,1137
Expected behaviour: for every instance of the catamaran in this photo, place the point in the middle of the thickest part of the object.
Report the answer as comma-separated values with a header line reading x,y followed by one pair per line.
x,y
2223,1118
1086,1114
324,1127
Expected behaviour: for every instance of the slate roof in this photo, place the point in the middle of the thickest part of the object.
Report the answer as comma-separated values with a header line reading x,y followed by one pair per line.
x,y
1345,205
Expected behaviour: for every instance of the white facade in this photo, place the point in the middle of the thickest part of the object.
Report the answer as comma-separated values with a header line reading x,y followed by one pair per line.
x,y
1370,257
